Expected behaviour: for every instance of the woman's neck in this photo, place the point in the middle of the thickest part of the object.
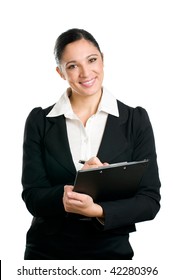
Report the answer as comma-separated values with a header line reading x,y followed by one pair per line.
x,y
85,106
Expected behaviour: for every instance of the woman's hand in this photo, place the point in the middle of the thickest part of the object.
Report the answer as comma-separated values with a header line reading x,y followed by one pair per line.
x,y
93,162
80,203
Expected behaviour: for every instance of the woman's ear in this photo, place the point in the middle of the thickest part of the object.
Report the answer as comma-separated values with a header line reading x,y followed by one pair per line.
x,y
60,73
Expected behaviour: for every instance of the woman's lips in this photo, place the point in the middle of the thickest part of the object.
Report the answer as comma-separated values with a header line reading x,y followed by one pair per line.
x,y
88,83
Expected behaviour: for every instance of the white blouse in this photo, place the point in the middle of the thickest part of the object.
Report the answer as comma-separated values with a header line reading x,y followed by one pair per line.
x,y
85,141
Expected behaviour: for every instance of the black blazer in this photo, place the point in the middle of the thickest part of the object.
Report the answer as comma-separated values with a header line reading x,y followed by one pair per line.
x,y
48,166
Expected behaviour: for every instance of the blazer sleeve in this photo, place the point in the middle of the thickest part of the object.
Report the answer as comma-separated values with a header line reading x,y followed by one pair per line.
x,y
146,203
41,198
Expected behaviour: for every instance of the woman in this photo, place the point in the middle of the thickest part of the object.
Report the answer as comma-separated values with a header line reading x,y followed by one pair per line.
x,y
86,123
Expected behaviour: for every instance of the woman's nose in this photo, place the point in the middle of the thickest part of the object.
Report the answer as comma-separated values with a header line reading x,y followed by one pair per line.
x,y
84,71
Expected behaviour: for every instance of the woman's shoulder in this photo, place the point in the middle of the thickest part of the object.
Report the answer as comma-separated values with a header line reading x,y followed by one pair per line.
x,y
39,112
136,114
37,117
124,107
127,109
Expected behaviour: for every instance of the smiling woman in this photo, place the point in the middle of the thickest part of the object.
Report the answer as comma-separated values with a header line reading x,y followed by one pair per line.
x,y
82,66
87,123
80,62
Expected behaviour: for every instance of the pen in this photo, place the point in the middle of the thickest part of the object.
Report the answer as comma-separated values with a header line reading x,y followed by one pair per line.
x,y
82,161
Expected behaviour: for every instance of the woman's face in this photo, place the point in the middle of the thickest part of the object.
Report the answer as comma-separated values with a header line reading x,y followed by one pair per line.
x,y
82,66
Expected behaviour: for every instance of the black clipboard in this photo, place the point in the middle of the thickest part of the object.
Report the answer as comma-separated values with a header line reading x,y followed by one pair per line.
x,y
115,181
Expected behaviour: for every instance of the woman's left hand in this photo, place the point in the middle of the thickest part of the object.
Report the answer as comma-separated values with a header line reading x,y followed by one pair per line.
x,y
80,203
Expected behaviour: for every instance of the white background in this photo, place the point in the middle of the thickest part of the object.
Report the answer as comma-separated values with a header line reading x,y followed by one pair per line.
x,y
136,38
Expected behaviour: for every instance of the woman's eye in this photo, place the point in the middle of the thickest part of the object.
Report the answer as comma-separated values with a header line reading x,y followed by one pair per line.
x,y
93,59
72,66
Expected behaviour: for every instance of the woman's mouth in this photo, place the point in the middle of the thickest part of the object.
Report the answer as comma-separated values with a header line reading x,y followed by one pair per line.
x,y
88,83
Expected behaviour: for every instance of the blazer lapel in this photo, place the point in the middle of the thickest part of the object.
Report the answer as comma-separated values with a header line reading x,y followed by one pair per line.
x,y
56,142
113,142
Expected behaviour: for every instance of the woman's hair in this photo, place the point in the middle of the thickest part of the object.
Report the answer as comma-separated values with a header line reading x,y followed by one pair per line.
x,y
70,36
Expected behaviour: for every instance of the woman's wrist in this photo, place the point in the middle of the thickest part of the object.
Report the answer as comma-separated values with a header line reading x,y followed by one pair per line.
x,y
98,211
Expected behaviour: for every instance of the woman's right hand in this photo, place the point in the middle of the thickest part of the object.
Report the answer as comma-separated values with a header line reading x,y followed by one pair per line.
x,y
93,162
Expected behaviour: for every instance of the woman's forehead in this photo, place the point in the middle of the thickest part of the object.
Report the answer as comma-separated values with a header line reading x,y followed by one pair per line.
x,y
79,50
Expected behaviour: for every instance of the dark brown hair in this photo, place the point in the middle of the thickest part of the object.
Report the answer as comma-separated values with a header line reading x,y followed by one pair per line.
x,y
70,36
